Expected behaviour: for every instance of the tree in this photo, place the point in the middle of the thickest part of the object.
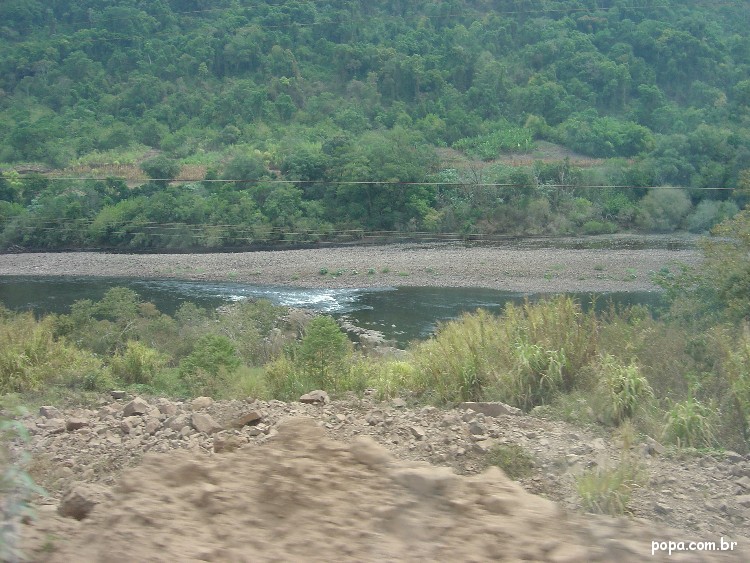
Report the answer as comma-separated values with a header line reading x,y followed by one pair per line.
x,y
324,350
161,169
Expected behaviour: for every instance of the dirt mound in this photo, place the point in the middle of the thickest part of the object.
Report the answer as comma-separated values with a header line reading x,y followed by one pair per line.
x,y
304,496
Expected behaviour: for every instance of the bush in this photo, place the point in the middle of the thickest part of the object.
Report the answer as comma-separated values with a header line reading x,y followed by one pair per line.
x,y
323,352
524,357
31,357
663,210
624,388
709,213
208,368
137,364
515,462
690,423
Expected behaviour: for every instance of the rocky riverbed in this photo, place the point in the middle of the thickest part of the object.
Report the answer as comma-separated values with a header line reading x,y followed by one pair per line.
x,y
357,479
595,265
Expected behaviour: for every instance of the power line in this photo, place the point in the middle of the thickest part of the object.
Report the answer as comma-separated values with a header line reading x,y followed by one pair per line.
x,y
377,183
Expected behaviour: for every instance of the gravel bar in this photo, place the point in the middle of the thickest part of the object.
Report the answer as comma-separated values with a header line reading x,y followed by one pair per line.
x,y
505,266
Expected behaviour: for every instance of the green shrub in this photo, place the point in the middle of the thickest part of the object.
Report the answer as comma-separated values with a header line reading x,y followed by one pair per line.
x,y
624,388
607,491
137,363
515,461
209,367
663,210
525,356
690,423
595,227
31,357
323,352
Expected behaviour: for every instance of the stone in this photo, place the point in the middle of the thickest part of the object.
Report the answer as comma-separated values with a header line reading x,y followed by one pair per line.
x,y
204,423
136,407
477,429
75,423
166,407
226,444
417,432
652,447
398,403
367,451
744,500
55,426
317,397
744,482
49,412
250,418
177,422
491,408
733,457
80,500
118,394
152,425
200,403
127,426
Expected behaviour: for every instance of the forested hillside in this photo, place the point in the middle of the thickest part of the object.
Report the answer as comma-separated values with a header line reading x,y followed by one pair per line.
x,y
440,116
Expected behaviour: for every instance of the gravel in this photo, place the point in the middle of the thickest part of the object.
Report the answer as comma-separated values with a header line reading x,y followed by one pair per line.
x,y
505,266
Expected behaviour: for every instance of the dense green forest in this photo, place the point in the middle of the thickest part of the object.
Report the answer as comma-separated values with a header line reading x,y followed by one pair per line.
x,y
293,120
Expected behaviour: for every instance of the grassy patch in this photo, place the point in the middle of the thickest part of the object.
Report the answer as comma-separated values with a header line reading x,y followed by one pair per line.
x,y
515,461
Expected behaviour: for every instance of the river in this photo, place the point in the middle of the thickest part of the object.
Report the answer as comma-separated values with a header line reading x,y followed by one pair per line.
x,y
401,313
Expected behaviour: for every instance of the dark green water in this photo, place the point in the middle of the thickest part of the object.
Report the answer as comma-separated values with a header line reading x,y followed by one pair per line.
x,y
402,314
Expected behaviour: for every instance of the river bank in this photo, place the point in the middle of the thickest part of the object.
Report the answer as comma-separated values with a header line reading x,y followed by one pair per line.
x,y
508,266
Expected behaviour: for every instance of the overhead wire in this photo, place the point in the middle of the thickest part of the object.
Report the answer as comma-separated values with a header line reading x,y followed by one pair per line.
x,y
372,183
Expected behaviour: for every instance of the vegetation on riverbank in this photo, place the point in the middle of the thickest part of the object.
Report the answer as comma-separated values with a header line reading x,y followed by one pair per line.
x,y
684,378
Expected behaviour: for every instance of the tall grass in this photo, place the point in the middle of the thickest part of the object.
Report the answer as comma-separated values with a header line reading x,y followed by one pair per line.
x,y
525,356
31,357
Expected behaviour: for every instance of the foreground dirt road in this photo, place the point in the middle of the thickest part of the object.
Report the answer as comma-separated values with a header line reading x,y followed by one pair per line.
x,y
358,480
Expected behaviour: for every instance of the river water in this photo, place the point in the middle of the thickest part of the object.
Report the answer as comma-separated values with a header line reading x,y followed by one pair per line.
x,y
401,313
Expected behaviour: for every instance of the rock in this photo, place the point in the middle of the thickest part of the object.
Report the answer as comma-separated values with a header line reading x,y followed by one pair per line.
x,y
368,452
491,408
226,444
152,425
166,407
75,423
127,426
177,422
417,432
55,426
744,482
118,394
49,412
398,403
80,500
200,403
136,407
316,397
204,423
250,418
744,500
652,447
734,457
477,429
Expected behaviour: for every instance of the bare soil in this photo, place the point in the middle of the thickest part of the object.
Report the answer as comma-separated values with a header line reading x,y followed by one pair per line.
x,y
357,480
